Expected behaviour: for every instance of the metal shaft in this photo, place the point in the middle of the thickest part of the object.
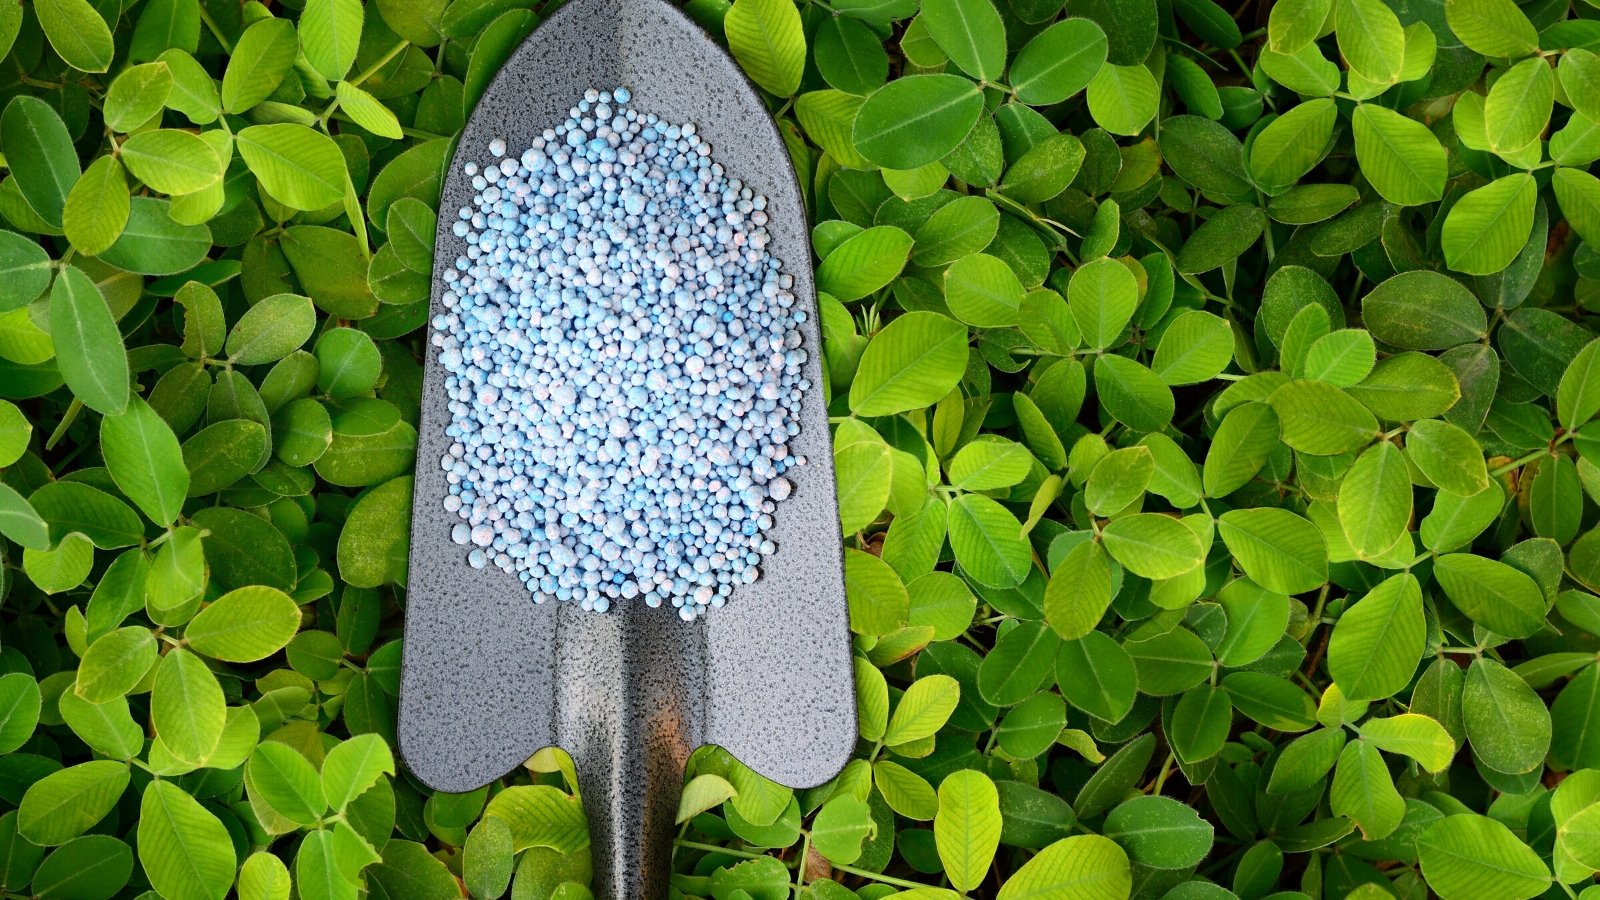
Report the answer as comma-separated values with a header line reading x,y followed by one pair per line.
x,y
629,715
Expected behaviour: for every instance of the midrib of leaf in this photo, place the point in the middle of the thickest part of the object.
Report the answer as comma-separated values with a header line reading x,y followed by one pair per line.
x,y
79,338
75,35
918,119
1366,34
1494,219
1283,550
977,526
966,32
72,797
1061,63
1383,626
185,854
1518,106
1394,154
903,374
54,163
283,161
188,708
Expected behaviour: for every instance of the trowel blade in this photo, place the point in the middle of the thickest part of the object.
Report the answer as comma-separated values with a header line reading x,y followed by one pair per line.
x,y
488,677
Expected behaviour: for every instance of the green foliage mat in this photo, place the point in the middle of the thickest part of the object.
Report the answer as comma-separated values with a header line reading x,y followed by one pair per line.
x,y
1212,396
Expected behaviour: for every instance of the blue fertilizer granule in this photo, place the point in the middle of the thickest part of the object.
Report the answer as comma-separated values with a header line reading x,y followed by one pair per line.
x,y
623,364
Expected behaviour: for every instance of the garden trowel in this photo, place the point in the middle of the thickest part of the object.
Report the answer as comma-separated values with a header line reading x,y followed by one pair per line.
x,y
489,677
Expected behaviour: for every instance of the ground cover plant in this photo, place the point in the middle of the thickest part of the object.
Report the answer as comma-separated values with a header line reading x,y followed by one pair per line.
x,y
1212,393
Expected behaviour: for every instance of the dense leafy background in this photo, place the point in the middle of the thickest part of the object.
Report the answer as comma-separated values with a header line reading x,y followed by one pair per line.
x,y
1212,395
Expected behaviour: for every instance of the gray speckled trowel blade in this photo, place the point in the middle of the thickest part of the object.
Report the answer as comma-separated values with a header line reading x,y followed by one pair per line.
x,y
488,677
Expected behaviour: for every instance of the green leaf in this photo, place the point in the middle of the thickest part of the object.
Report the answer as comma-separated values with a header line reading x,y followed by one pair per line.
x,y
354,766
1195,348
1160,832
244,625
1486,228
1119,479
1579,73
330,33
1371,39
967,827
1058,62
25,270
1578,192
877,597
1400,157
184,848
1518,106
849,56
66,803
923,709
153,243
1102,296
145,461
983,291
766,38
1123,99
285,781
1491,27
1578,395
1467,856
1279,550
864,263
186,707
89,347
263,877
77,32
970,32
1375,501
1079,591
1377,643
1292,144
20,705
1414,735
989,464
271,330
367,111
987,541
1153,545
1132,394
839,828
115,663
1318,418
221,454
915,360
703,792
39,152
299,167
1423,310
540,816
172,161
1507,725
1292,24
62,567
1491,593
260,60
1248,433
1363,790
96,865
1084,867
1449,457
916,120
97,207
1201,721
373,544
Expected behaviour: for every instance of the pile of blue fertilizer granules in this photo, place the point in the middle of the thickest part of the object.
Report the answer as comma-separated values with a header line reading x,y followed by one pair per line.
x,y
623,364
